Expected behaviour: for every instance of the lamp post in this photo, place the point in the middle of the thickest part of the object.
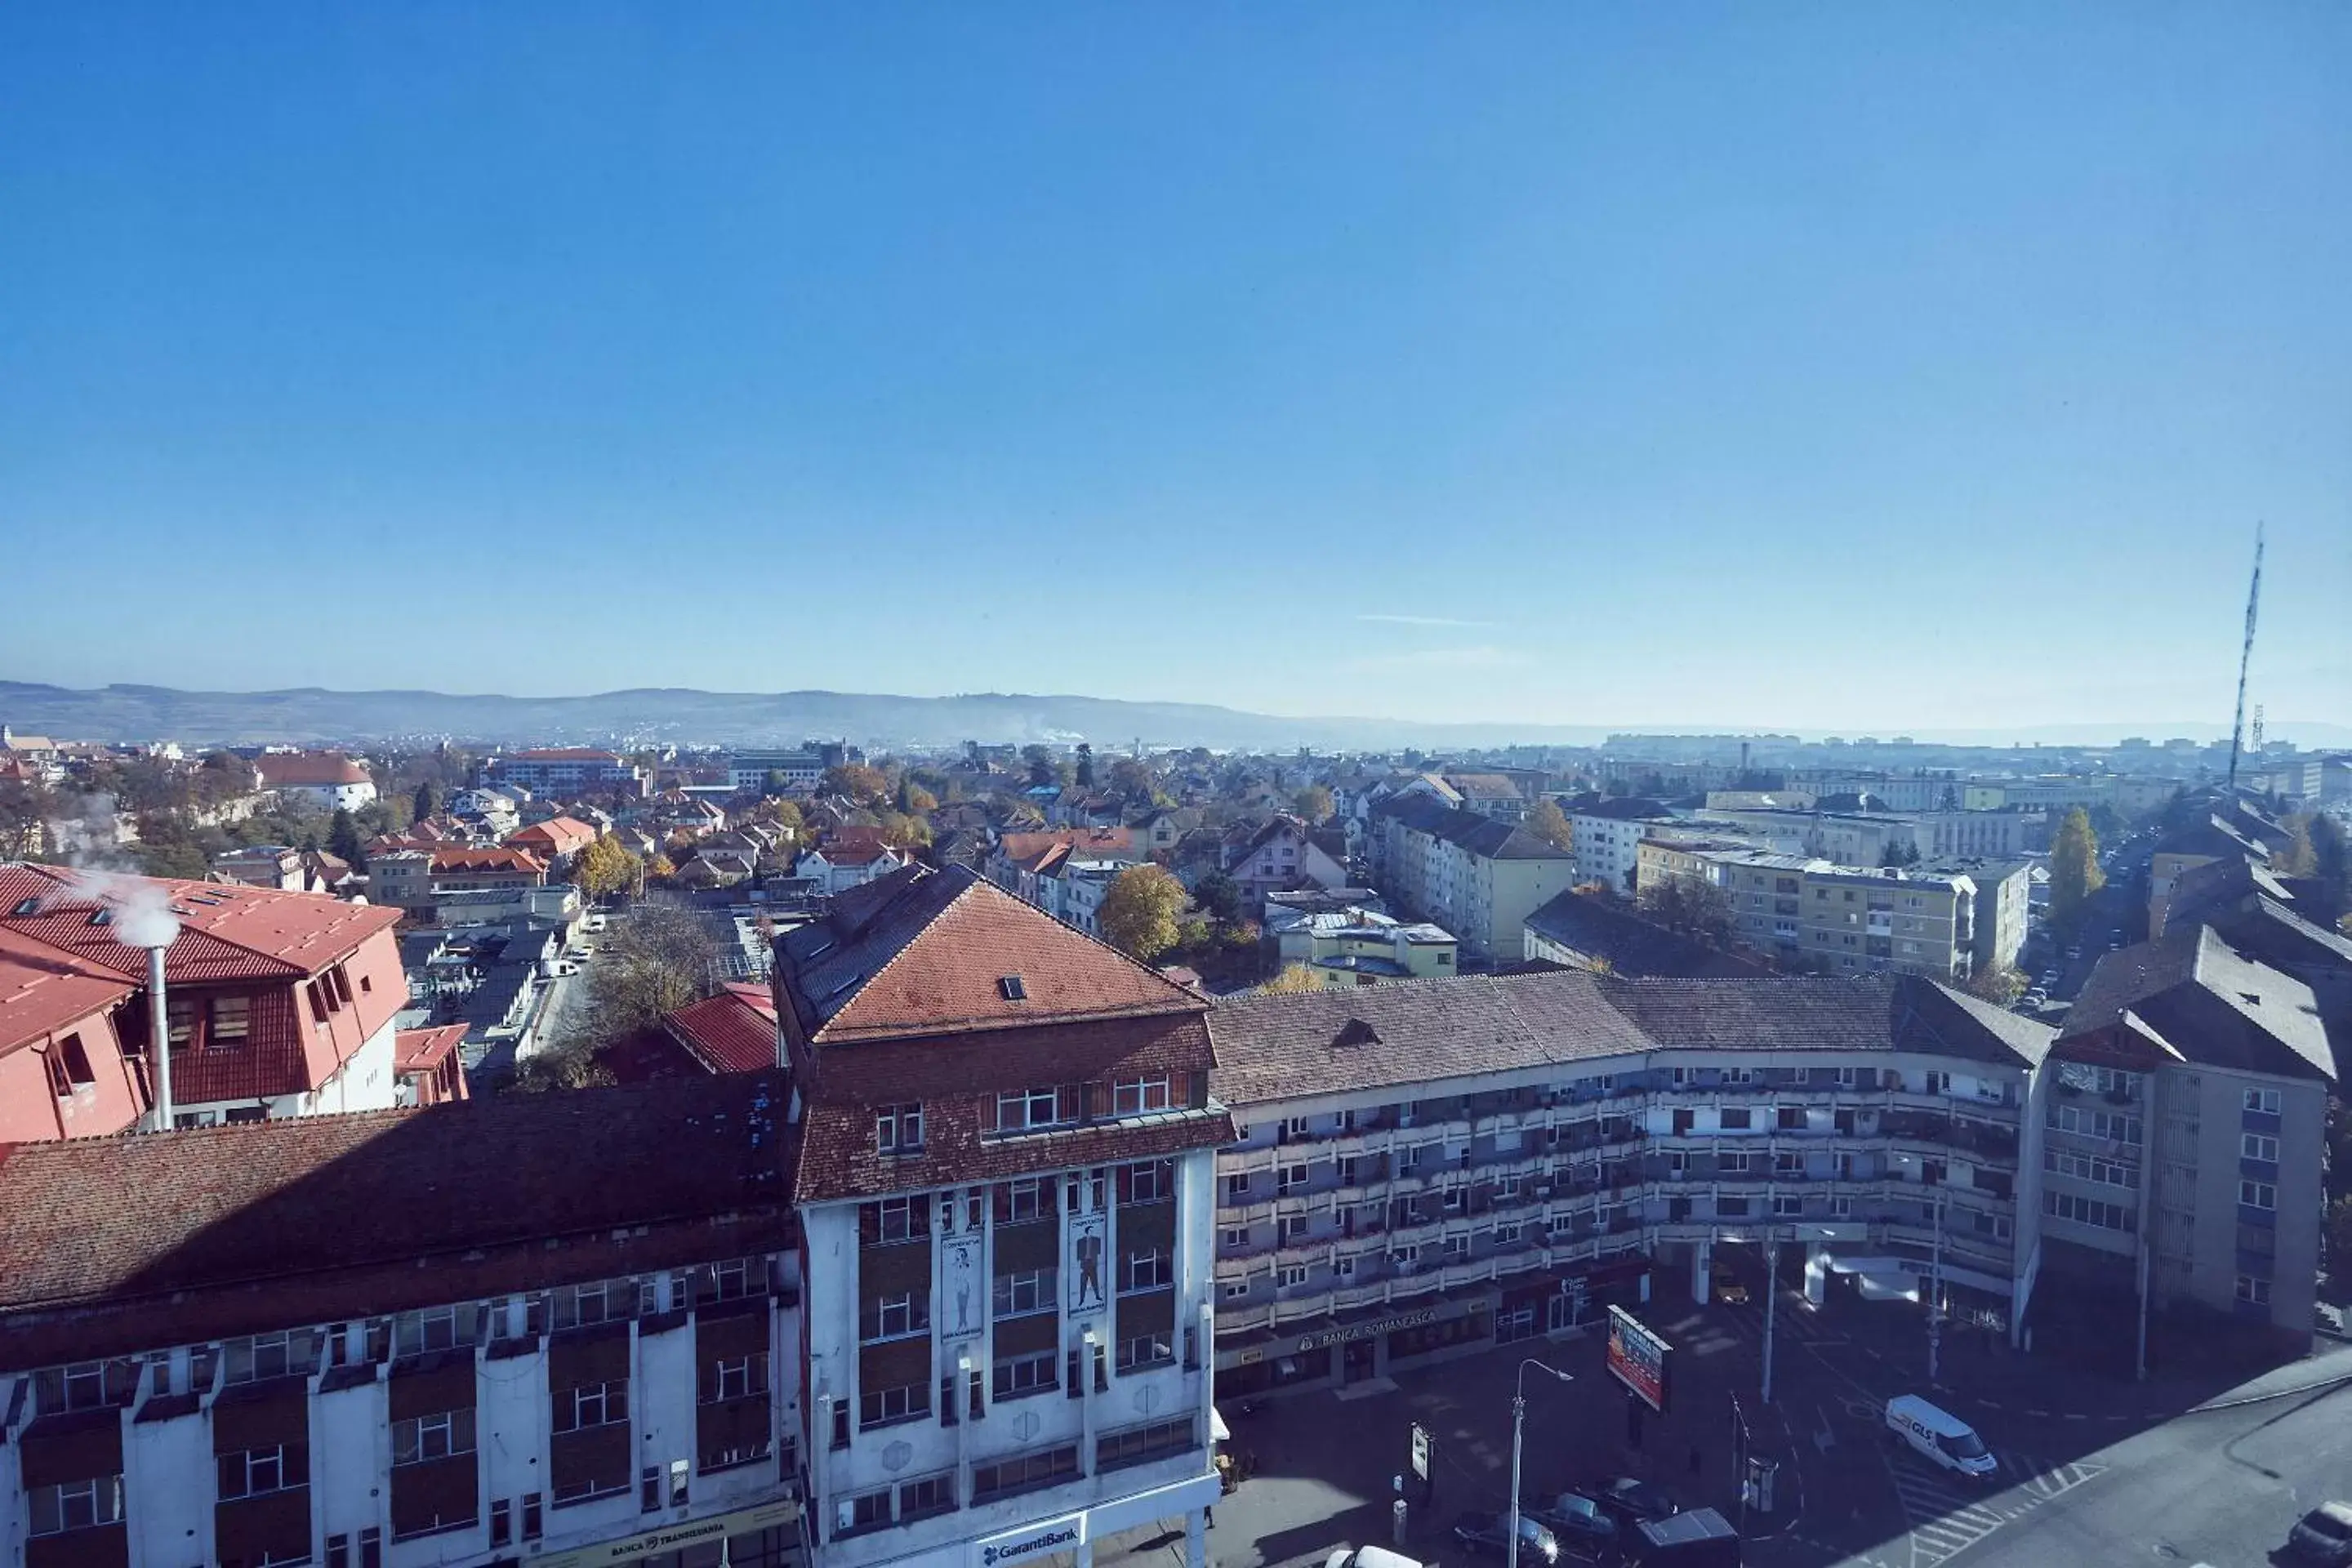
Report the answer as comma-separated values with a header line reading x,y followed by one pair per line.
x,y
1518,1423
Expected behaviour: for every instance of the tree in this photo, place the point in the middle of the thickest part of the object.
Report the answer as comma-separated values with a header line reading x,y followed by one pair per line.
x,y
2074,873
1130,777
859,782
2339,1236
1550,824
1688,905
25,812
606,868
913,797
428,800
1139,909
343,839
1041,765
2331,866
1220,896
1314,803
1295,976
1898,854
658,959
2301,857
1085,776
1999,984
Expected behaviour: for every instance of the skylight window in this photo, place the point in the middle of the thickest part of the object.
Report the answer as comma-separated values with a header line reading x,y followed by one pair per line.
x,y
1010,987
27,906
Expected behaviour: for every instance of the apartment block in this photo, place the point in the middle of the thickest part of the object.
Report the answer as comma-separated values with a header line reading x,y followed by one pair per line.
x,y
1432,1167
1476,877
1005,1185
1815,915
570,771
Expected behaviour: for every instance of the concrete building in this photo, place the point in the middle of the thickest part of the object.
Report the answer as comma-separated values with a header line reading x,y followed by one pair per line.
x,y
2184,1138
1848,838
1477,877
328,779
747,772
571,772
1811,914
1005,1185
1434,1167
2004,895
1943,835
1607,833
1361,947
278,866
1603,935
1281,855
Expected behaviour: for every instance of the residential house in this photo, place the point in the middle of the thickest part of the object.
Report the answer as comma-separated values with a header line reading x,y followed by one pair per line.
x,y
328,779
1019,861
555,843
734,1031
847,862
1490,795
1478,877
275,866
1281,854
1358,946
427,1061
459,869
2215,837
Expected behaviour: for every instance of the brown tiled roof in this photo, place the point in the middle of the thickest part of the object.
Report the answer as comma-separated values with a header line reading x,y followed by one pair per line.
x,y
421,1050
557,835
1084,840
493,858
925,952
227,932
178,1236
2199,999
1284,1046
44,988
309,770
734,1031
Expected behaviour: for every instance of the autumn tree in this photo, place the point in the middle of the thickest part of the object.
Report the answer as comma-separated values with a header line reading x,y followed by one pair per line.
x,y
914,797
2300,857
2074,873
859,782
1314,803
1550,824
1999,984
1139,909
1689,905
2331,866
1294,976
605,867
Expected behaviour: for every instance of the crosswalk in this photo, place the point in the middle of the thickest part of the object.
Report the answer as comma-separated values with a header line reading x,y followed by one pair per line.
x,y
1948,1513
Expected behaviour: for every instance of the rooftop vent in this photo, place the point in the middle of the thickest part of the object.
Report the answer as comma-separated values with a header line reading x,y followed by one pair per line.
x,y
1009,986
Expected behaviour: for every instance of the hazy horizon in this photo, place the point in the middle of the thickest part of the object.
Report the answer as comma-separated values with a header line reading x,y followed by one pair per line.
x,y
1878,370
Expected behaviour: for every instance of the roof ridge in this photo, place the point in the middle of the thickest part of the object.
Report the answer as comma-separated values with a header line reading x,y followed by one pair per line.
x,y
817,1035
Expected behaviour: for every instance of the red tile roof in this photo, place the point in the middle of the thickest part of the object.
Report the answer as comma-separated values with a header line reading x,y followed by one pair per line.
x,y
313,769
495,858
557,835
734,1031
1083,840
44,989
422,1050
226,931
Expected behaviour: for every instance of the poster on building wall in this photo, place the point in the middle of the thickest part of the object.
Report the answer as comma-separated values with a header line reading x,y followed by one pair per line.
x,y
1637,1358
962,1306
1089,1268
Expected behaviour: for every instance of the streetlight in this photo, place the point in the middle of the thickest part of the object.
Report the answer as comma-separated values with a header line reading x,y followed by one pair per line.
x,y
1519,1424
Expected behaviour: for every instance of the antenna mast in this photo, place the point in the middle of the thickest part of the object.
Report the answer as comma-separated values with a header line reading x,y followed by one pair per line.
x,y
2246,657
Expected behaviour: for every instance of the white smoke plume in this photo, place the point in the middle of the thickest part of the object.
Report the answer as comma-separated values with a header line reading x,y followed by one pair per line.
x,y
141,907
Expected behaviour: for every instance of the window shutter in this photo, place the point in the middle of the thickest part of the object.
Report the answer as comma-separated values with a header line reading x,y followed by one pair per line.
x,y
1196,1091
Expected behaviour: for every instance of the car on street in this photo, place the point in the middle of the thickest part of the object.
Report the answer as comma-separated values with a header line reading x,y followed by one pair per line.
x,y
1574,1516
1729,1289
2323,1536
1489,1535
1631,1500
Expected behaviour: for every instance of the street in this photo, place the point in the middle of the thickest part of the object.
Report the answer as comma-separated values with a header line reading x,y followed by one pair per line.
x,y
2095,1467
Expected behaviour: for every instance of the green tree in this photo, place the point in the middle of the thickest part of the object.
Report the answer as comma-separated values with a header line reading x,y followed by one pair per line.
x,y
2331,866
428,800
1220,896
1041,765
772,784
2074,873
1139,909
1688,905
2301,857
1314,803
1550,824
1085,776
1999,984
343,838
913,797
2339,1236
1131,778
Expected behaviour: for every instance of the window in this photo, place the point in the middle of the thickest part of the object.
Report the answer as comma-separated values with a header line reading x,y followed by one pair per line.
x,y
1405,1258
1237,1239
2266,1102
1234,1290
2258,1146
1293,1228
2258,1195
423,1438
1785,1204
1146,1350
1024,1473
1291,1276
1028,1110
605,1301
576,1409
1734,1120
729,1279
881,1406
75,1505
531,1522
2253,1291
1018,1203
1297,1127
230,1023
1343,1269
893,1220
1458,1246
1507,1235
2088,1211
740,1377
2091,1168
501,1527
264,1356
649,1489
1016,1376
257,1472
869,1510
339,1547
926,1496
1290,1178
1146,1182
1022,1292
1133,1097
894,1317
899,1129
72,1063
1146,1268
436,1329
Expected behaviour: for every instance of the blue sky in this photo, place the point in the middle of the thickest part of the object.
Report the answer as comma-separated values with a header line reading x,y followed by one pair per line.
x,y
1561,363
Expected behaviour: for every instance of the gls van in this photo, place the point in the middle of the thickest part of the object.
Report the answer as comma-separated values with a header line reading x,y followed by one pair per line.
x,y
1941,1436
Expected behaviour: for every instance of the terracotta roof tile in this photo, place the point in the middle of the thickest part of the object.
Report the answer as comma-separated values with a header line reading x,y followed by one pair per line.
x,y
734,1031
313,769
226,931
45,988
421,1050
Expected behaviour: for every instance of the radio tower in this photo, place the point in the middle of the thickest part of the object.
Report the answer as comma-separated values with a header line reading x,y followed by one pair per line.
x,y
2245,656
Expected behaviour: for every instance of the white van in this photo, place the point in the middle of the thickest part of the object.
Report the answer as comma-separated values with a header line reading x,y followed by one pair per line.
x,y
1941,1436
1368,1557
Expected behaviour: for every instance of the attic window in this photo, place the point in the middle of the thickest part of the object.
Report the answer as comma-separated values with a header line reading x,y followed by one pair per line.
x,y
27,907
1010,987
1356,1032
103,918
2253,998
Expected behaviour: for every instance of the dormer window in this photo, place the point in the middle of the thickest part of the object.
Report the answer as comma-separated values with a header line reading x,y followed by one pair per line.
x,y
1009,986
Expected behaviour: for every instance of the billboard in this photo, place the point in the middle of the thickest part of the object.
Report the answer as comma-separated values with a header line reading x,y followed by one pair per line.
x,y
1637,1358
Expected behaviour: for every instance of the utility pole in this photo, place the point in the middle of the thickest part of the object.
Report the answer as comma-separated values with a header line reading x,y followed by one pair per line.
x,y
1772,1297
1936,1296
2246,657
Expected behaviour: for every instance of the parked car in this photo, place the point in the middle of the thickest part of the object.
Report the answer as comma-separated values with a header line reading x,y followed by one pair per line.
x,y
1575,1516
1728,1289
2322,1536
1631,1500
1490,1534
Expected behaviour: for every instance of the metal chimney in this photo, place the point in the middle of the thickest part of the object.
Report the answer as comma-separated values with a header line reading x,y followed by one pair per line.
x,y
159,1039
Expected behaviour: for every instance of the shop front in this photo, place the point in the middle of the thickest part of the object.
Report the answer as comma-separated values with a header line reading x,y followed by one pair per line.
x,y
1332,1353
767,1536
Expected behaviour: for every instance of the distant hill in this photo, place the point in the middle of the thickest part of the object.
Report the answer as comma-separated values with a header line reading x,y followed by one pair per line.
x,y
311,715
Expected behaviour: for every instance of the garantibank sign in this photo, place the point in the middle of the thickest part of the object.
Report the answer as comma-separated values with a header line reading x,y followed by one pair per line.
x,y
1030,1541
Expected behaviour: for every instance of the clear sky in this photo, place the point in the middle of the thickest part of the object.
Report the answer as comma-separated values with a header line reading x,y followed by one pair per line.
x,y
1854,366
